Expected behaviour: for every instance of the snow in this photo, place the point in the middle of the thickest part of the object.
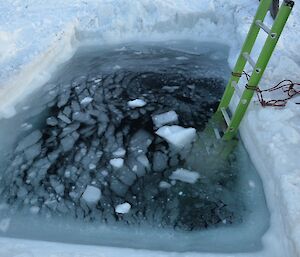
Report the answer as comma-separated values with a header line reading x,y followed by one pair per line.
x,y
117,163
91,195
178,136
165,118
136,103
36,36
123,208
185,176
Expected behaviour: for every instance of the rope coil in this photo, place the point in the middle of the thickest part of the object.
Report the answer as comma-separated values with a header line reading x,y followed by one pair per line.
x,y
287,86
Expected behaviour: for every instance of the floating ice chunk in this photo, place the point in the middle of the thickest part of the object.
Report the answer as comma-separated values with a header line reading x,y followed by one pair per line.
x,y
123,208
120,152
182,58
143,160
177,136
117,163
86,100
64,118
160,161
164,185
165,118
136,103
92,166
33,151
52,121
67,143
4,224
91,195
185,176
29,140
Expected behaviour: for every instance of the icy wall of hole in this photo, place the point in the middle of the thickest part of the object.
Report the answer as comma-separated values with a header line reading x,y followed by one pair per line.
x,y
85,150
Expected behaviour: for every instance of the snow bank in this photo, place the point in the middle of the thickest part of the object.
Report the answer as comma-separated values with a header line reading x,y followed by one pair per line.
x,y
37,37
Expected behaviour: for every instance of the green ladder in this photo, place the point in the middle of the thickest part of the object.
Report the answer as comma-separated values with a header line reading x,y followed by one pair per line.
x,y
221,118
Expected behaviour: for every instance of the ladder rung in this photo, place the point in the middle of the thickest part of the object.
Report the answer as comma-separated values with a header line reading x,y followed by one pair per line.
x,y
263,26
217,133
237,90
225,115
250,60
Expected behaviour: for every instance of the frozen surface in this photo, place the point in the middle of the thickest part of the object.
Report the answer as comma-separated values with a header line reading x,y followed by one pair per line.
x,y
33,36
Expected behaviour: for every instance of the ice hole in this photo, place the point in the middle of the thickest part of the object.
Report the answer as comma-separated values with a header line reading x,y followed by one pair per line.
x,y
83,161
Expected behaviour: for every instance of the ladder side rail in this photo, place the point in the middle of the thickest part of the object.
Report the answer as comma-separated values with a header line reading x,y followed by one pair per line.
x,y
261,64
247,48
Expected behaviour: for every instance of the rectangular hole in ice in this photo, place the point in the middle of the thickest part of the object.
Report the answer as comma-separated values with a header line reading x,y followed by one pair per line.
x,y
99,155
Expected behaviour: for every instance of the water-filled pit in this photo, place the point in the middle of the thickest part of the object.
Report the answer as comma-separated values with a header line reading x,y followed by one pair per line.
x,y
100,155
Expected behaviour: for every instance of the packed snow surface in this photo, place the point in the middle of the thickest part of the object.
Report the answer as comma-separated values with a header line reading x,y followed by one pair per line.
x,y
176,135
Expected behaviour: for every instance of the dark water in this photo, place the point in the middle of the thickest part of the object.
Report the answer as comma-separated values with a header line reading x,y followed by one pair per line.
x,y
73,127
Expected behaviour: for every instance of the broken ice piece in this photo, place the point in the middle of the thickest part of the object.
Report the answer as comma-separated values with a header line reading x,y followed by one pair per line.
x,y
29,140
91,195
51,121
120,152
185,175
177,136
123,208
136,103
117,163
86,100
164,185
165,118
143,160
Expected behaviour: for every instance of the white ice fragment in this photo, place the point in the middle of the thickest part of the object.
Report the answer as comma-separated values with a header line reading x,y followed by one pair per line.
x,y
86,100
182,58
91,195
164,185
165,118
117,163
120,152
177,136
123,208
136,103
92,166
185,176
104,173
4,224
